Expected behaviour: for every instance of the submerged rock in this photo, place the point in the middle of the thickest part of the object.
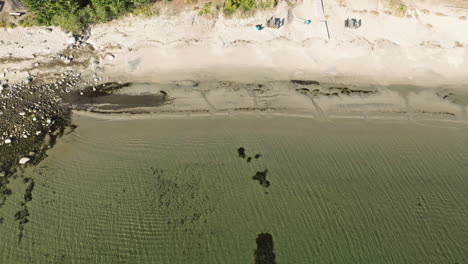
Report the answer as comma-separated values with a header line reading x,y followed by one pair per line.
x,y
264,253
260,176
241,152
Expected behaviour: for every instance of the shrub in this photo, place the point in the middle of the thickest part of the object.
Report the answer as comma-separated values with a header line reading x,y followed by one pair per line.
x,y
206,9
231,6
46,10
10,25
68,22
146,11
28,21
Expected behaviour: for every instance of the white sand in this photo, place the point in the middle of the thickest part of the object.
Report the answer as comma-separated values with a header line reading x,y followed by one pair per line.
x,y
387,49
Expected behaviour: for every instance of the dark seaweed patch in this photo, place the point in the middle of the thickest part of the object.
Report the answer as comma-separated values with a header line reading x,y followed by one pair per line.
x,y
241,152
104,89
28,192
258,155
7,191
22,214
264,253
249,159
303,90
260,176
305,82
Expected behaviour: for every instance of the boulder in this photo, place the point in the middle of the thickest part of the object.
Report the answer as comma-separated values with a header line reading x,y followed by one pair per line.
x,y
71,40
110,57
24,160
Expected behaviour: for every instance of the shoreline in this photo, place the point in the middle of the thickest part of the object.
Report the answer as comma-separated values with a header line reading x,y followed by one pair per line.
x,y
254,114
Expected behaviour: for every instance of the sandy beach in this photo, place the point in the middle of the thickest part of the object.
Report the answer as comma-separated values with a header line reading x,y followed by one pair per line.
x,y
426,46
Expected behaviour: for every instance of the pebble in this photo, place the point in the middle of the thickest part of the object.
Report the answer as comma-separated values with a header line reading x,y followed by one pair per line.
x,y
7,141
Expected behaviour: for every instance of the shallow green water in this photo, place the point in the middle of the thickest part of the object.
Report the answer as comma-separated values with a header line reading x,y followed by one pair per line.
x,y
175,191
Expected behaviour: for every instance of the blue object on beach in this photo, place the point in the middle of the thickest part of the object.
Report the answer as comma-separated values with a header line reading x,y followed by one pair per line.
x,y
308,21
258,27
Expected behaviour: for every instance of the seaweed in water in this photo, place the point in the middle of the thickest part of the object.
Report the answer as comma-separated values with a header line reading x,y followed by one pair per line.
x,y
28,192
249,159
22,214
260,176
258,155
264,253
241,152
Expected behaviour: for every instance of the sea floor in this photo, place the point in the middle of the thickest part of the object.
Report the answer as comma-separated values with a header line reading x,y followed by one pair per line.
x,y
177,191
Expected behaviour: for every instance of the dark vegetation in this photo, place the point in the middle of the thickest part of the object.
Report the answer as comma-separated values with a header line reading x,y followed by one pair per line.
x,y
264,253
74,15
260,176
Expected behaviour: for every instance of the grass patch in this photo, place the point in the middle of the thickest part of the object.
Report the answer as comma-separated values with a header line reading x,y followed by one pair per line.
x,y
206,9
28,22
401,10
146,11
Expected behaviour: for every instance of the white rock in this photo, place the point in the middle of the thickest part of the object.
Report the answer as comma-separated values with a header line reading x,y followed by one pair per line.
x,y
48,121
110,57
38,133
24,160
71,40
7,141
22,113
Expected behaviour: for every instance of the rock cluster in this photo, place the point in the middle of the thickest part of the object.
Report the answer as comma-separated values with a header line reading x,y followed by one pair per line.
x,y
27,110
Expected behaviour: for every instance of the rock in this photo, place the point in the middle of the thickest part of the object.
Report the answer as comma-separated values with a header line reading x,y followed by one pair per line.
x,y
24,160
38,133
110,57
7,141
2,174
71,40
22,113
36,64
48,30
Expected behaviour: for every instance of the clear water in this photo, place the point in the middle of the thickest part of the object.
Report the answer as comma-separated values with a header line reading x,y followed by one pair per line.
x,y
175,191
